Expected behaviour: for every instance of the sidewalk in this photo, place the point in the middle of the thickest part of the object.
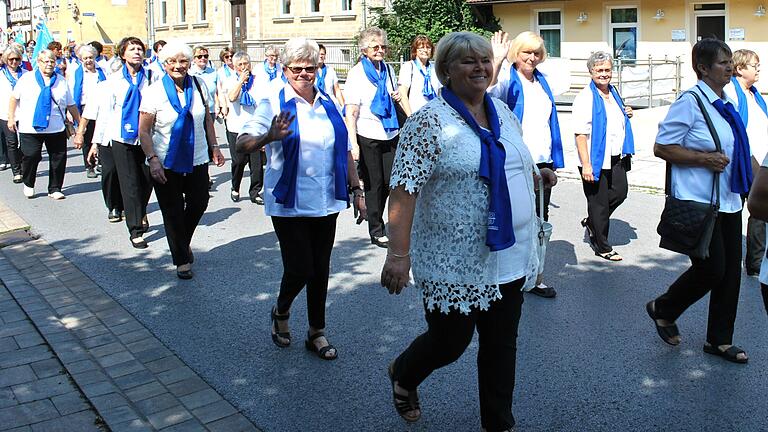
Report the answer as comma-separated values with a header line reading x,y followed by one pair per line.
x,y
73,359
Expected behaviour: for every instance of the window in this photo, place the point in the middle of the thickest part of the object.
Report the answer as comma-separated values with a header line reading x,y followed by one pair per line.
x,y
314,6
202,12
285,8
624,32
549,26
163,12
346,5
182,11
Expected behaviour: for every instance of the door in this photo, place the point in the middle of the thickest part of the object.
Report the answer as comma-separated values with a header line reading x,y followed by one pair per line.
x,y
710,27
239,29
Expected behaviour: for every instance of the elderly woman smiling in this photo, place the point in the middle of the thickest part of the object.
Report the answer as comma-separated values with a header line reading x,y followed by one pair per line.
x,y
41,122
176,135
309,171
463,147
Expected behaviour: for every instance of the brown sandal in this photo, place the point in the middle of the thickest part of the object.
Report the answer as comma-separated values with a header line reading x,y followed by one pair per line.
x,y
405,406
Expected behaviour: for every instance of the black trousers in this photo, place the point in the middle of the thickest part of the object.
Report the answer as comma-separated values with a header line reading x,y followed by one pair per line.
x,y
135,183
110,183
239,161
31,145
305,246
755,244
10,141
720,275
547,192
376,159
448,336
87,138
764,289
182,200
603,198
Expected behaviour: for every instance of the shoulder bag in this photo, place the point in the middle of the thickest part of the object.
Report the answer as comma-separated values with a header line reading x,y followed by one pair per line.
x,y
544,234
401,115
69,128
686,226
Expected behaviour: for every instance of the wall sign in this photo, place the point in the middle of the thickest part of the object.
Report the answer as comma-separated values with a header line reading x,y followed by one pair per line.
x,y
736,34
678,35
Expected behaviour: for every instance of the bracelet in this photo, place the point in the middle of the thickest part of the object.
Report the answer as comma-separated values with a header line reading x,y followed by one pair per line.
x,y
355,189
389,252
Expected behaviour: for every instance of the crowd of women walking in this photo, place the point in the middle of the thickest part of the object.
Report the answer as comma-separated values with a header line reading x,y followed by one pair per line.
x,y
465,140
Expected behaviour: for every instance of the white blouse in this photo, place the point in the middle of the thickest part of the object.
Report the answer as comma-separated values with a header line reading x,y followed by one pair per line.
x,y
614,127
239,114
358,90
156,102
315,189
111,107
414,80
331,79
25,107
757,124
438,157
90,79
6,90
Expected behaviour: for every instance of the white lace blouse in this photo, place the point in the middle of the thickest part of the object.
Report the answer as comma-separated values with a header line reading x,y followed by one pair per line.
x,y
438,157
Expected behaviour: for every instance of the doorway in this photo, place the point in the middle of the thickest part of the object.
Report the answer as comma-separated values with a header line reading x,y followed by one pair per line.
x,y
710,21
239,28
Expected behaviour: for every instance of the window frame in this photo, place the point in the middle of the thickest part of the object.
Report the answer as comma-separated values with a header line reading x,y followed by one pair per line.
x,y
312,4
346,6
614,26
202,11
162,12
281,8
181,8
539,27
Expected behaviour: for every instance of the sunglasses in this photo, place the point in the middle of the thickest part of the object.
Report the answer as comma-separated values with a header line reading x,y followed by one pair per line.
x,y
205,56
227,57
297,70
10,59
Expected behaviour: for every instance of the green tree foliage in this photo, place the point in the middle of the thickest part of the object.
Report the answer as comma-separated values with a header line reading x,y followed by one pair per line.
x,y
434,18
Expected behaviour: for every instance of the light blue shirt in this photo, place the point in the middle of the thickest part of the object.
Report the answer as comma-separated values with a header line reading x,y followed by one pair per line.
x,y
685,125
209,76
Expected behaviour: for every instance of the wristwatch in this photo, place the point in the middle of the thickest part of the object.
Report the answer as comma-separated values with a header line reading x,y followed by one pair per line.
x,y
150,157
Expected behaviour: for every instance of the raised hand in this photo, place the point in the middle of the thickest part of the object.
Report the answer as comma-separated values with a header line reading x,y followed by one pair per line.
x,y
500,43
279,128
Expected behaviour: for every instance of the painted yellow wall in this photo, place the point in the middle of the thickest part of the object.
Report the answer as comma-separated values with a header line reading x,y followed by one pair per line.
x,y
116,21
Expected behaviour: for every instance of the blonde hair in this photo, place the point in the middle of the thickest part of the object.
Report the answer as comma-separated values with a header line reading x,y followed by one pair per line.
x,y
454,46
741,58
527,40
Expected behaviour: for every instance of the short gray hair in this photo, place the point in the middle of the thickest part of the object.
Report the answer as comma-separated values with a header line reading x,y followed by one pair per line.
x,y
11,49
239,56
300,48
270,48
456,45
598,57
88,49
47,54
367,35
173,49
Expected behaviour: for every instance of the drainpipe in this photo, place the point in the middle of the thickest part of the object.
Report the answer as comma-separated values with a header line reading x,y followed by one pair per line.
x,y
151,22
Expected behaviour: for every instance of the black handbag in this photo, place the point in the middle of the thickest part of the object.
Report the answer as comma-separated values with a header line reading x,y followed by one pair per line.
x,y
686,226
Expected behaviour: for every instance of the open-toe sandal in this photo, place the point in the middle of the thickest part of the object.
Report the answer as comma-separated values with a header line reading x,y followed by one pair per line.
x,y
406,406
667,333
610,256
276,334
321,352
731,354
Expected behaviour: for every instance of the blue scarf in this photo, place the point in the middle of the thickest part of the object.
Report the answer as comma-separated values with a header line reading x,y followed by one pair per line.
x,y
181,148
9,75
741,172
271,71
500,234
43,107
227,71
320,78
427,91
78,89
285,189
129,118
245,97
600,127
741,98
516,102
382,106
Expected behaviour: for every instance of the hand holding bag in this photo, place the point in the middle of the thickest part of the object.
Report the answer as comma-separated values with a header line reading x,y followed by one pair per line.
x,y
686,226
544,233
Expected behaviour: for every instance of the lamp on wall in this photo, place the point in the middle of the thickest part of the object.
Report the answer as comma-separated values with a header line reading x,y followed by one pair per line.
x,y
659,15
582,17
760,11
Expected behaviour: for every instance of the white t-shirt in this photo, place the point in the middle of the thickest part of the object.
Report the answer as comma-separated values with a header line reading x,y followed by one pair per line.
x,y
239,114
111,107
331,79
757,123
155,101
262,77
5,94
359,91
315,188
90,79
25,107
614,128
414,80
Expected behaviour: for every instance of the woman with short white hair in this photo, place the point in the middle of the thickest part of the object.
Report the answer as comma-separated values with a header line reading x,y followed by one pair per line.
x,y
82,83
10,156
310,172
41,116
176,133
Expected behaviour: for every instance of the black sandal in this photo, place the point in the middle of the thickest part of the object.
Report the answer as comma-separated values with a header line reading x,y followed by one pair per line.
x,y
731,354
404,404
321,352
274,317
666,333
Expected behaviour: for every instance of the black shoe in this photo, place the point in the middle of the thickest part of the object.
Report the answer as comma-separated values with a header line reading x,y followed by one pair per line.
x,y
274,318
546,292
114,216
753,272
184,274
381,242
17,179
257,200
139,243
234,196
91,173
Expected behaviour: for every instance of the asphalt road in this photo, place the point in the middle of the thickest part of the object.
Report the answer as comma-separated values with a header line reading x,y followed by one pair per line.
x,y
588,360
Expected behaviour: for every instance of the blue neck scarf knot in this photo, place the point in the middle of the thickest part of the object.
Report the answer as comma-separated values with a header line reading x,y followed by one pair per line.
x,y
741,164
245,97
741,98
383,106
181,148
43,107
129,117
426,72
600,127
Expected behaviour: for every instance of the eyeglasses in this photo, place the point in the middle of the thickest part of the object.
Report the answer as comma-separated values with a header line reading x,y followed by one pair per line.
x,y
227,57
378,48
10,59
754,65
297,69
200,56
182,62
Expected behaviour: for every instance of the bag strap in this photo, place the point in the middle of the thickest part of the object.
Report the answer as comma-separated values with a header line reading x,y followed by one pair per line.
x,y
205,106
715,197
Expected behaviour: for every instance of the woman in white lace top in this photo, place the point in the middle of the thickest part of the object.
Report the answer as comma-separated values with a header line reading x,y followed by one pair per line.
x,y
461,214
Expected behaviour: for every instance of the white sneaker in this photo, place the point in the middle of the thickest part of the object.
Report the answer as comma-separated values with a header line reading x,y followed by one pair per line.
x,y
28,191
57,195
